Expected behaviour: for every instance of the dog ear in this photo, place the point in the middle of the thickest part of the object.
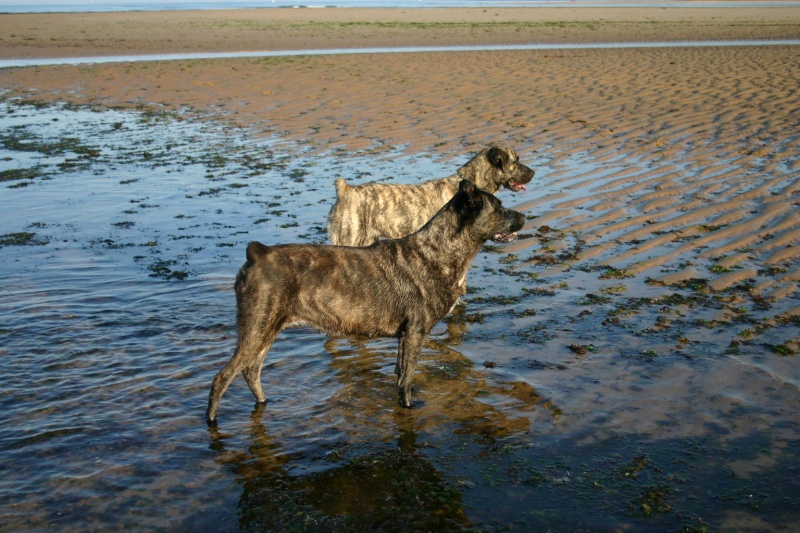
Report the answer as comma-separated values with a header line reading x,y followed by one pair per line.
x,y
468,188
255,250
467,203
497,157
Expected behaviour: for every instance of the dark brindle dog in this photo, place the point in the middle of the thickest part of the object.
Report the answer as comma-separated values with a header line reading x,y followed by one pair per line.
x,y
365,213
399,288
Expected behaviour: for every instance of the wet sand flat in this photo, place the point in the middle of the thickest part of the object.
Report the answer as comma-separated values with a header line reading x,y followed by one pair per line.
x,y
709,127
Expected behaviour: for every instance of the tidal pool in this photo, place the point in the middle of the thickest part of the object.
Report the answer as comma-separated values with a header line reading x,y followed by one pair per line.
x,y
563,395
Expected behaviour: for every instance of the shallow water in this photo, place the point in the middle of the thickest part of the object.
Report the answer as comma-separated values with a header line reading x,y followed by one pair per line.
x,y
12,63
559,397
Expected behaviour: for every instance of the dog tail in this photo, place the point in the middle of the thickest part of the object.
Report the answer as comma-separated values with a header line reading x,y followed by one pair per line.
x,y
255,250
341,186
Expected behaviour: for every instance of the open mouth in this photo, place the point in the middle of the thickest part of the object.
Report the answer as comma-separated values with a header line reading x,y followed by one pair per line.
x,y
516,187
504,237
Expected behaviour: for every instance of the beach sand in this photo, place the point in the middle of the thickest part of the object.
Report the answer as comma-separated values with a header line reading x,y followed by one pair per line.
x,y
687,158
91,34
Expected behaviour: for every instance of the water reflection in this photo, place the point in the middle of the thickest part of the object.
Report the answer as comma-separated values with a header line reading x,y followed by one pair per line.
x,y
375,472
450,391
355,488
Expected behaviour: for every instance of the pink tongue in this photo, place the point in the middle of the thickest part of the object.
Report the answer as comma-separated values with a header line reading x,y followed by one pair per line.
x,y
518,186
503,237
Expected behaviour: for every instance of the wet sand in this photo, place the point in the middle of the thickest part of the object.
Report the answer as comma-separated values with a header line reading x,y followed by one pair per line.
x,y
697,146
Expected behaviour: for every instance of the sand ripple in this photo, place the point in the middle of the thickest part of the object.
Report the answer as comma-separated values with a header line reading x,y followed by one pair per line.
x,y
663,162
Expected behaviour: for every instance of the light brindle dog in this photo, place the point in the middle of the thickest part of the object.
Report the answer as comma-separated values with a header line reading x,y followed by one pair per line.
x,y
365,213
393,288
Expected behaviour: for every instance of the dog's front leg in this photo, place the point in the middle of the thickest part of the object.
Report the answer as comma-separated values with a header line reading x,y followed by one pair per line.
x,y
411,340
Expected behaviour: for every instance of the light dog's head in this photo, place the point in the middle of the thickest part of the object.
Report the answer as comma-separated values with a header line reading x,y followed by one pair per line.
x,y
497,166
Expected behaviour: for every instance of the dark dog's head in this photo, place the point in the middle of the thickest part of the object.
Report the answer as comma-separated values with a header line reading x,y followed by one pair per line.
x,y
483,215
497,166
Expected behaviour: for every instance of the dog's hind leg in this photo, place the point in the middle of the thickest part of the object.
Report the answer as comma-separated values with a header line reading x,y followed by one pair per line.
x,y
346,230
407,354
248,359
220,384
341,215
252,372
347,220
